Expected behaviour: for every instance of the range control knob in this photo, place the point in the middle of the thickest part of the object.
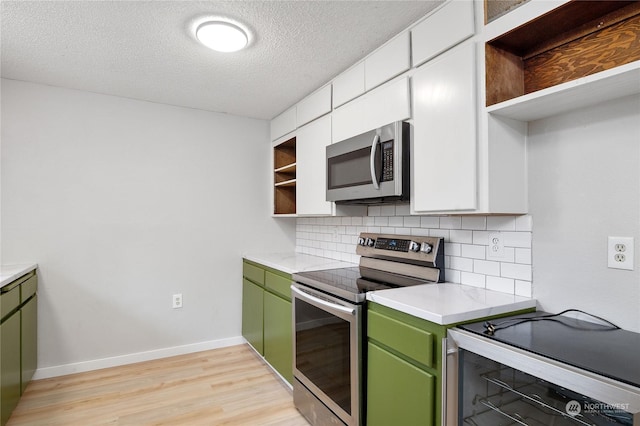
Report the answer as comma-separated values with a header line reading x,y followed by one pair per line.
x,y
370,242
414,247
426,248
361,241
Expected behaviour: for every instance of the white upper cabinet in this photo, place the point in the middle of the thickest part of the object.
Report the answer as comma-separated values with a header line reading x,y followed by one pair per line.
x,y
313,106
390,60
283,124
444,142
348,85
386,104
311,142
464,161
448,26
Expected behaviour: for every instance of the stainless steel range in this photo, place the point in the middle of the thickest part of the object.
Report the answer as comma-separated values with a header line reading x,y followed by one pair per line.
x,y
329,321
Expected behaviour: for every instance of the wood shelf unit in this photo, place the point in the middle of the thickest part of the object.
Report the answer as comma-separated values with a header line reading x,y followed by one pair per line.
x,y
572,42
284,180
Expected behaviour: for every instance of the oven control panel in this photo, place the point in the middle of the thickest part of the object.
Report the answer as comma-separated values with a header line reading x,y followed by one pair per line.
x,y
412,248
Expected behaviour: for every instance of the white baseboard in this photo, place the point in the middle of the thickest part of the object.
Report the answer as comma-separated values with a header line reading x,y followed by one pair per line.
x,y
96,364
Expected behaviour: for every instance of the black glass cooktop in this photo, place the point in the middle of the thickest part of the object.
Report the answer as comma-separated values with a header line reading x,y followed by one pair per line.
x,y
353,283
601,349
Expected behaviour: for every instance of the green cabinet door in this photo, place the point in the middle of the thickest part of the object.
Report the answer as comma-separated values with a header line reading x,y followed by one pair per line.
x,y
278,342
252,314
9,366
29,340
398,393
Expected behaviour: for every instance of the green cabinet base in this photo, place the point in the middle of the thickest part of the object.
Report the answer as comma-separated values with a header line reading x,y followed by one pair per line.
x,y
398,393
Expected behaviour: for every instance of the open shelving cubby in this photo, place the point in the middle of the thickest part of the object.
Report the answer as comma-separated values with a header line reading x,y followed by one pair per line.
x,y
284,159
578,54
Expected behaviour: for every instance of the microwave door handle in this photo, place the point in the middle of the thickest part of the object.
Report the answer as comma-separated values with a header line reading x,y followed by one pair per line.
x,y
372,161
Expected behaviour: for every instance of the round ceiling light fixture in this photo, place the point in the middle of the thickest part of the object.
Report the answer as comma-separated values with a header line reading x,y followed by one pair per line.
x,y
222,36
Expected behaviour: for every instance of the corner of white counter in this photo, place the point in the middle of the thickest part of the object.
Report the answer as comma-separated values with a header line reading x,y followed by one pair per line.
x,y
449,303
9,273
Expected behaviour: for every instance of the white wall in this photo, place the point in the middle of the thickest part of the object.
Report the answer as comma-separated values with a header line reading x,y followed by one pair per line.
x,y
123,203
584,174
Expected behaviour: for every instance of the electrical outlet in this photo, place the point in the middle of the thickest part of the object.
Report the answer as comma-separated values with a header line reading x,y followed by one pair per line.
x,y
496,246
620,253
177,301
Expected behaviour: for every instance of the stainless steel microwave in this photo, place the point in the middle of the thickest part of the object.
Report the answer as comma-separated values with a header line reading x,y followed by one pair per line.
x,y
370,168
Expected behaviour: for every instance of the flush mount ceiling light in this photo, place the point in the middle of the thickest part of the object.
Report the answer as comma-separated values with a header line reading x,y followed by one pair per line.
x,y
222,36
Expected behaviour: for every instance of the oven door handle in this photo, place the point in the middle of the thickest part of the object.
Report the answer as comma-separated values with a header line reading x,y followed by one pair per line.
x,y
330,307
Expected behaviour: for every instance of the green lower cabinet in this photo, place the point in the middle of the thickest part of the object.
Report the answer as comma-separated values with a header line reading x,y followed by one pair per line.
x,y
278,342
404,371
398,393
252,314
29,340
10,374
266,315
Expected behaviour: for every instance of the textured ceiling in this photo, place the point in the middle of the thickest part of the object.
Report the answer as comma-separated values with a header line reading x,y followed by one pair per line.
x,y
145,50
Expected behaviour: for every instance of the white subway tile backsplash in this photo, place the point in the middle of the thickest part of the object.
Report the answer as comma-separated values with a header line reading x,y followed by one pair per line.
x,y
523,256
452,249
523,288
473,252
403,209
423,232
397,221
509,255
451,222
486,267
517,239
481,238
501,223
452,276
478,223
440,233
476,280
381,221
524,223
412,221
517,271
430,222
374,210
504,285
461,236
466,243
402,231
461,264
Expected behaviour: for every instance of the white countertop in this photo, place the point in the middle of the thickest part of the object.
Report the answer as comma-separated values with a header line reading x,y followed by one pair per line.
x,y
9,273
449,303
292,262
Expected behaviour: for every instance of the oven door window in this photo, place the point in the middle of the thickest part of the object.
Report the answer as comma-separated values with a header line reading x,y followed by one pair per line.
x,y
323,352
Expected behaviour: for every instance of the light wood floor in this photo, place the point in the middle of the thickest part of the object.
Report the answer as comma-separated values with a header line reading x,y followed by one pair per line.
x,y
228,386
